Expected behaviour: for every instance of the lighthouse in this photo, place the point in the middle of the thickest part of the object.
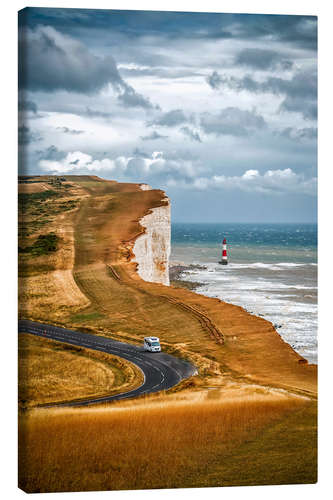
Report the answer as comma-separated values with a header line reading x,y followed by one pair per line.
x,y
224,260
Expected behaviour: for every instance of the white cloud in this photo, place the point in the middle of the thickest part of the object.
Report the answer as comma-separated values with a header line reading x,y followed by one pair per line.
x,y
183,173
137,167
250,174
78,161
270,182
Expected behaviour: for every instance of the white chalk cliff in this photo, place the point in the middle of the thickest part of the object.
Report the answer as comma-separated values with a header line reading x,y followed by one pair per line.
x,y
152,248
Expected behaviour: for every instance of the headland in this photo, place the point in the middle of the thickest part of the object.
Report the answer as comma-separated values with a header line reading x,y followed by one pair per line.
x,y
94,256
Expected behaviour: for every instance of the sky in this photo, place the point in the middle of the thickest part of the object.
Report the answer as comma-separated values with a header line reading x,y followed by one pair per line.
x,y
219,110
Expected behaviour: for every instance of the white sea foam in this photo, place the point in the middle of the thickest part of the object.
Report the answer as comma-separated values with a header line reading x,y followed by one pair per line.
x,y
262,293
294,264
277,266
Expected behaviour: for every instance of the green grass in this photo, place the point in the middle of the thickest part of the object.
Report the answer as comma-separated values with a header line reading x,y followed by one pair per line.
x,y
43,245
68,205
86,316
40,196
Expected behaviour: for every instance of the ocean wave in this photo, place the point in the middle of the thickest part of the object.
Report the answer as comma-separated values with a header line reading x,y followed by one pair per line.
x,y
276,266
294,264
216,280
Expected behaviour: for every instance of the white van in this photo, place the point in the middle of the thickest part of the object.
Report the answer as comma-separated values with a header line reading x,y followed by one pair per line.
x,y
152,344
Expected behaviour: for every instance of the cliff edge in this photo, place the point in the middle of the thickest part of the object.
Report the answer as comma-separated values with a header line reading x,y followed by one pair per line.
x,y
152,248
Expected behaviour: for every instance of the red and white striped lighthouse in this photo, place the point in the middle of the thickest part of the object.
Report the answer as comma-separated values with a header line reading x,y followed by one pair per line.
x,y
224,260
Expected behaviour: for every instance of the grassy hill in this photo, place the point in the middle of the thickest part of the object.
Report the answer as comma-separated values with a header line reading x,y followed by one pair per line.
x,y
75,240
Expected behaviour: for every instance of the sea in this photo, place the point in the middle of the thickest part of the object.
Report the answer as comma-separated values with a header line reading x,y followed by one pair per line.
x,y
271,272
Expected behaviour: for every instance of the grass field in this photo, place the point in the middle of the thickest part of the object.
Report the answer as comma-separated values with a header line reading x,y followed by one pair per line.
x,y
50,371
166,445
249,417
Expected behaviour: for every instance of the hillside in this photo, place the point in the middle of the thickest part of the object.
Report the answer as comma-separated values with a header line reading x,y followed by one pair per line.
x,y
81,266
91,282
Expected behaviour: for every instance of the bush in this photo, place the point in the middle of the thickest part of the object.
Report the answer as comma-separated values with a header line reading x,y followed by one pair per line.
x,y
42,196
45,243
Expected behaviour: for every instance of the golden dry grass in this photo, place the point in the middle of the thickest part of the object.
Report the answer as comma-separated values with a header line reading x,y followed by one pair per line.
x,y
51,294
46,285
33,188
154,445
50,372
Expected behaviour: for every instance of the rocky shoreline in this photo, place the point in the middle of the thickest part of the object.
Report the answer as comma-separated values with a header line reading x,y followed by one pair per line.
x,y
176,271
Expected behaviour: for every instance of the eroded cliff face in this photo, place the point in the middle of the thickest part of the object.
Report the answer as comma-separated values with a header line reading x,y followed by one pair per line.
x,y
152,248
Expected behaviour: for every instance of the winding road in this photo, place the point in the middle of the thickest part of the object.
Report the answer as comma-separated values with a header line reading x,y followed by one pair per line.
x,y
161,371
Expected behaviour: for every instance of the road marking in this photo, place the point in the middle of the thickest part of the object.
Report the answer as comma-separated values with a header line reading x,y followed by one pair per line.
x,y
128,352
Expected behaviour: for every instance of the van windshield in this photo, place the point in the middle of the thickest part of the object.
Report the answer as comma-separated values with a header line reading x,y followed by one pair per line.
x,y
155,343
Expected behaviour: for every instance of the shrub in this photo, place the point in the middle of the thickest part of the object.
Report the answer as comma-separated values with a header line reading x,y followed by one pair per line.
x,y
45,243
43,195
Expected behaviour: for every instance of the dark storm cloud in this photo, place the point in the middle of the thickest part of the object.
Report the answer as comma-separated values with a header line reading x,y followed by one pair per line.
x,y
96,113
170,54
214,80
51,153
129,98
134,25
302,84
297,104
24,105
218,82
140,154
307,133
262,59
191,134
153,136
232,121
154,69
300,91
26,136
297,30
67,130
51,61
170,119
